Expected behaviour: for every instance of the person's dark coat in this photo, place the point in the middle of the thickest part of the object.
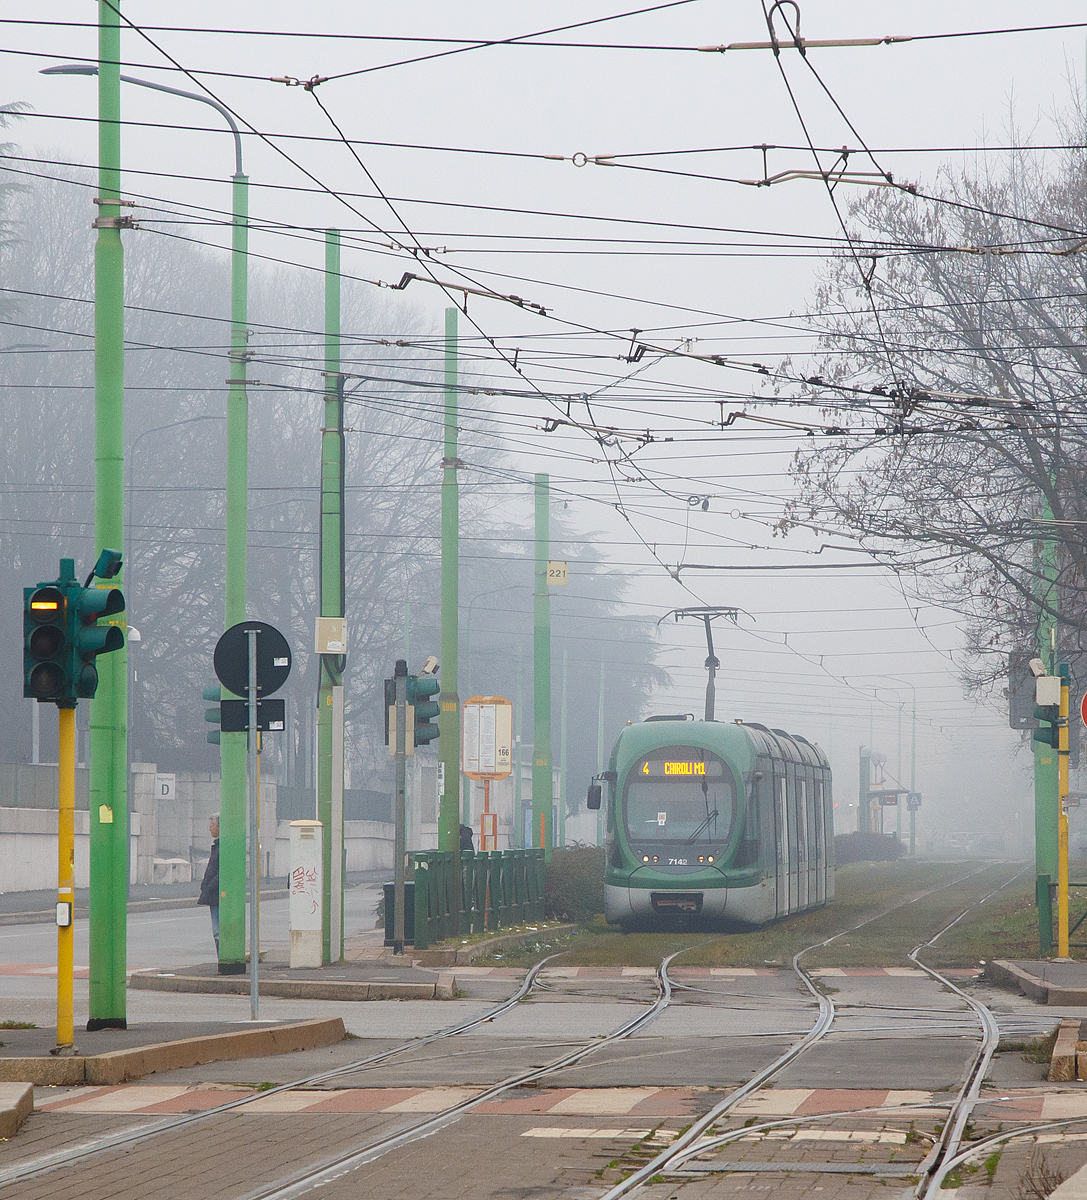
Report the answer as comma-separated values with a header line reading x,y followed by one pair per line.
x,y
209,886
465,838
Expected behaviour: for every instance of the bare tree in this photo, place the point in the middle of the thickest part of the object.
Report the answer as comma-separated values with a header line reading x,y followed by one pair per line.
x,y
950,370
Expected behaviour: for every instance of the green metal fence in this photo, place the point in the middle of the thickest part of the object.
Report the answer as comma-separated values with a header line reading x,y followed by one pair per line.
x,y
496,888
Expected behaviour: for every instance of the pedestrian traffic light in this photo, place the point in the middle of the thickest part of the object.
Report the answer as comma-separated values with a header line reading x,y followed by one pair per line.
x,y
45,642
420,689
214,713
86,606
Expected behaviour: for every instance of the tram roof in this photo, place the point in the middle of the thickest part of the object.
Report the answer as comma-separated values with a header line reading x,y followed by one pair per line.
x,y
790,746
777,743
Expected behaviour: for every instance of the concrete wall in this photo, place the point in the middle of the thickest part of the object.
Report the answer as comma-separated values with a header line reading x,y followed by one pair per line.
x,y
369,846
28,848
162,831
34,785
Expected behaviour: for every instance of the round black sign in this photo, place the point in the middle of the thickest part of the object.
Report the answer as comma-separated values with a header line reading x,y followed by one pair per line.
x,y
232,658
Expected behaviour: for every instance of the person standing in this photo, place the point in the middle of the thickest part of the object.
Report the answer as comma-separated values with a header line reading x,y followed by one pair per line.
x,y
209,886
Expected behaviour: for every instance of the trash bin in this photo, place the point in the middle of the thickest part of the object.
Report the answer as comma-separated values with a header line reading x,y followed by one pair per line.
x,y
409,912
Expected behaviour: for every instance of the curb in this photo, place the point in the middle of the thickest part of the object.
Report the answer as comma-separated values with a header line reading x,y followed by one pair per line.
x,y
120,1066
1007,974
443,988
462,957
16,1104
1062,1063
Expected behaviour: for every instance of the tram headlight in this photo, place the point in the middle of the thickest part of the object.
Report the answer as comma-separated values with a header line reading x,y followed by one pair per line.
x,y
711,858
645,858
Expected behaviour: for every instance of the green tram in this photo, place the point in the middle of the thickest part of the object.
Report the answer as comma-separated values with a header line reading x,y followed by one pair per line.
x,y
716,820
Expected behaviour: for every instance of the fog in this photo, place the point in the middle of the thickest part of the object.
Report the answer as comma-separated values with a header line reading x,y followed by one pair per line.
x,y
657,502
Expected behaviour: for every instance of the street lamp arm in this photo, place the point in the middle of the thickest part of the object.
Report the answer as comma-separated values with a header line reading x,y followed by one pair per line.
x,y
87,69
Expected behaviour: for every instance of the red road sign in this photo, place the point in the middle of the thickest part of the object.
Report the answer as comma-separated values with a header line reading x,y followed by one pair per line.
x,y
1083,708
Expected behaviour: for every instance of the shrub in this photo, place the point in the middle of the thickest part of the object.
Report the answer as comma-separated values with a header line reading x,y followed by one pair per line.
x,y
574,884
867,847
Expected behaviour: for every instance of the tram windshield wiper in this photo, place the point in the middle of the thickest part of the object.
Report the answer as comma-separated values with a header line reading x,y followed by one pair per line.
x,y
710,817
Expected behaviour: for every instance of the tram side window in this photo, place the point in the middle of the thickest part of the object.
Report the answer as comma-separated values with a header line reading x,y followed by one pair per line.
x,y
792,794
813,835
748,852
765,796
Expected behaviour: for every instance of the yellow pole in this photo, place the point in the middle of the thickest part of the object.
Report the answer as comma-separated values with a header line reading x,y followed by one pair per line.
x,y
1062,827
65,877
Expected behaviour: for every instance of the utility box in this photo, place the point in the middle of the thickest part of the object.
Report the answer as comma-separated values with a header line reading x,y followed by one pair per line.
x,y
1048,689
306,893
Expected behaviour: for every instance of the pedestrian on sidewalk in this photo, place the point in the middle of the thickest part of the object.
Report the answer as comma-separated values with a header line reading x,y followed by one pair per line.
x,y
209,887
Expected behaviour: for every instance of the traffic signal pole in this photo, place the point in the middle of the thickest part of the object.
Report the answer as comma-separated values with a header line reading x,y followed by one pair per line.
x,y
913,778
542,781
600,754
253,765
1046,783
400,681
65,879
449,698
1062,818
332,597
108,909
562,756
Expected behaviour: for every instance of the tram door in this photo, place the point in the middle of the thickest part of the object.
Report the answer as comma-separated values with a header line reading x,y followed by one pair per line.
x,y
781,830
820,845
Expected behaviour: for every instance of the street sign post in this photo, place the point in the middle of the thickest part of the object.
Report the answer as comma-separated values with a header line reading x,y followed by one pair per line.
x,y
487,753
252,659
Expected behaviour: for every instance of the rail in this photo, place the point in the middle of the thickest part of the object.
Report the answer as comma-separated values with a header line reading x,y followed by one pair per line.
x,y
496,888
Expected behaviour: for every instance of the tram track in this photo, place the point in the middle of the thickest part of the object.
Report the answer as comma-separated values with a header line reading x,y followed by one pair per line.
x,y
693,1141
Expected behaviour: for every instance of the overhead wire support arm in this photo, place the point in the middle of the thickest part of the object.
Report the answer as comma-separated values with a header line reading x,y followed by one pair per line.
x,y
486,293
707,614
809,44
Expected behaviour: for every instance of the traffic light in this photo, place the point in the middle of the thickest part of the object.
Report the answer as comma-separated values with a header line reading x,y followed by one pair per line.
x,y
1048,734
390,704
86,606
61,635
213,714
420,688
45,642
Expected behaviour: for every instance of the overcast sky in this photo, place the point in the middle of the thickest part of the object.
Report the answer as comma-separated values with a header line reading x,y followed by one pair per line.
x,y
473,150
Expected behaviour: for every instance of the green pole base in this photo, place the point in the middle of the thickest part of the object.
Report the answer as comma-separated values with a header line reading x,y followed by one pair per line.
x,y
1044,899
232,968
96,1023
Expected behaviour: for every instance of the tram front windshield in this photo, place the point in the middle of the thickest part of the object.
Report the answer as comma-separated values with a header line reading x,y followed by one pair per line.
x,y
682,796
